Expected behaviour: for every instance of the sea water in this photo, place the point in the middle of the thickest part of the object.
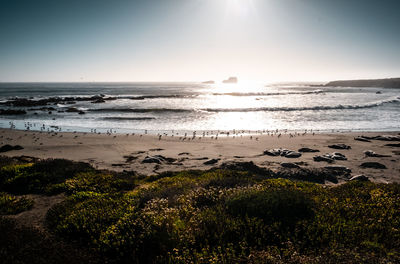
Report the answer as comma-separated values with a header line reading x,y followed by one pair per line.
x,y
157,107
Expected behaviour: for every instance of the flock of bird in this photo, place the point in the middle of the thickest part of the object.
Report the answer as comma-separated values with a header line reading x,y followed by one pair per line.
x,y
183,136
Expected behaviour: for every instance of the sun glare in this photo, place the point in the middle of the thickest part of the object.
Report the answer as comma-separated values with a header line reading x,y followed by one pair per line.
x,y
239,7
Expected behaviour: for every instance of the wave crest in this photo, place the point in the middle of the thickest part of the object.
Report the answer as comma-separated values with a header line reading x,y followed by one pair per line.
x,y
311,108
264,109
269,94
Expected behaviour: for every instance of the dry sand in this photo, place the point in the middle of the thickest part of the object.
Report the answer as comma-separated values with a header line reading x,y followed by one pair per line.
x,y
108,151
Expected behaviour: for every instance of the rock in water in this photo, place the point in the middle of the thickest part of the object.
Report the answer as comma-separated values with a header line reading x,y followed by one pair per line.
x,y
12,112
98,101
231,80
373,165
72,110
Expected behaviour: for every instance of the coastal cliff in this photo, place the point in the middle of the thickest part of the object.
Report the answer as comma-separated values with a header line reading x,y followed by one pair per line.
x,y
383,83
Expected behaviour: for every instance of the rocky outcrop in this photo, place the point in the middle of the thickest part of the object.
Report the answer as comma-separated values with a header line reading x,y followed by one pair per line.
x,y
72,110
24,102
230,80
99,101
12,112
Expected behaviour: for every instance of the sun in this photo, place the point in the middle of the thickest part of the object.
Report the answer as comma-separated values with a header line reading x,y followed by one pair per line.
x,y
239,7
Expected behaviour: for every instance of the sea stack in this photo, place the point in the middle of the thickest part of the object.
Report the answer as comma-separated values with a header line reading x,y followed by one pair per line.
x,y
230,80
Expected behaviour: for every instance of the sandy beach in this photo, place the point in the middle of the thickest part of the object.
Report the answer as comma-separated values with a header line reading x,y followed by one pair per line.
x,y
127,152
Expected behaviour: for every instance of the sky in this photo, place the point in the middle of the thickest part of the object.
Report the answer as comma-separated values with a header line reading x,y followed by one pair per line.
x,y
198,40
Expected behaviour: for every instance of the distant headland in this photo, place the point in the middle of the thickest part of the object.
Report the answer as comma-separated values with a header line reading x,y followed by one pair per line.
x,y
382,83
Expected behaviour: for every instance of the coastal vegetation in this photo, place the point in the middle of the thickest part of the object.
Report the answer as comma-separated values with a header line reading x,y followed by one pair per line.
x,y
237,213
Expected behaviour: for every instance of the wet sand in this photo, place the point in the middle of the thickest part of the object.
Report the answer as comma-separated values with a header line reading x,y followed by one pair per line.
x,y
126,152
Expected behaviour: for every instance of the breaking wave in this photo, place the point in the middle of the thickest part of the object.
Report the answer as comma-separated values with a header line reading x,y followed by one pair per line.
x,y
264,109
121,118
311,108
139,110
269,94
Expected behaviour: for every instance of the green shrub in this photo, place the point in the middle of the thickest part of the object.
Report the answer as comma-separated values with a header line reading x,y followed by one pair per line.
x,y
10,204
40,176
234,214
286,206
85,219
20,244
7,161
96,182
186,219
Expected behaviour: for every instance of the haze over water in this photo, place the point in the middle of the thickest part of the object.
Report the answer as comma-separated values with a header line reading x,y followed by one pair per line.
x,y
193,106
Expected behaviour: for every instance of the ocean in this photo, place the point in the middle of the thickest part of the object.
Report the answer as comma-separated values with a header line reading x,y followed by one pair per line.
x,y
160,107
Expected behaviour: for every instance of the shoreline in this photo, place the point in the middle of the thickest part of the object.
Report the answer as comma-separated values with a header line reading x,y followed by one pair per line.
x,y
124,131
126,151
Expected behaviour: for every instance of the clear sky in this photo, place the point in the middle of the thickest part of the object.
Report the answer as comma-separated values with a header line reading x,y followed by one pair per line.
x,y
198,40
